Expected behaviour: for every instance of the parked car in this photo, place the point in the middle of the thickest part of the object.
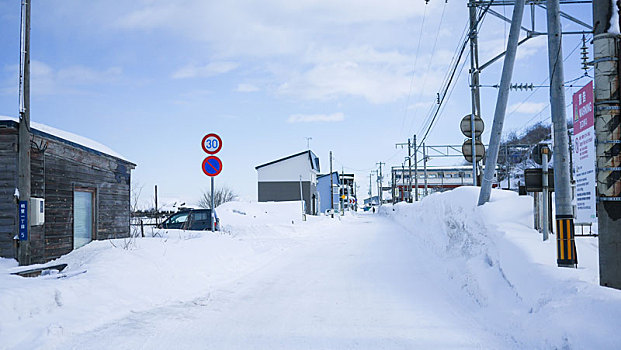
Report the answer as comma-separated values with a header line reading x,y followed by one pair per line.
x,y
191,219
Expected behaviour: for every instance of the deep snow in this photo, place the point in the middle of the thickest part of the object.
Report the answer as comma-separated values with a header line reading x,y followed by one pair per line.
x,y
441,273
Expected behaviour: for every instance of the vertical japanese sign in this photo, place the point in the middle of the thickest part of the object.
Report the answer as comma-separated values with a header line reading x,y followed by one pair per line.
x,y
584,154
23,221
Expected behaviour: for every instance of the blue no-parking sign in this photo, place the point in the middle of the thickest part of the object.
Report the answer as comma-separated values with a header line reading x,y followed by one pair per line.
x,y
212,166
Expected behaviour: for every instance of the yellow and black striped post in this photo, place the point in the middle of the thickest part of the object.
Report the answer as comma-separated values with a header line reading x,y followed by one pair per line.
x,y
565,244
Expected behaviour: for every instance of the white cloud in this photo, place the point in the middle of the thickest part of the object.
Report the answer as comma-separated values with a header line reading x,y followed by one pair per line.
x,y
306,49
527,107
313,118
245,87
204,71
80,75
45,80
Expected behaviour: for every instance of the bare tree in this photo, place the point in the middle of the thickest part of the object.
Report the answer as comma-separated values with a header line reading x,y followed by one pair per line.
x,y
136,191
221,195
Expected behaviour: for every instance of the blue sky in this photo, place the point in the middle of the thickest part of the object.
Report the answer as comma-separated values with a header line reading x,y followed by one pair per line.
x,y
149,78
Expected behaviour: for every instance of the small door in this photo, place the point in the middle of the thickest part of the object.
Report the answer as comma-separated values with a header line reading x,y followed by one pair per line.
x,y
82,218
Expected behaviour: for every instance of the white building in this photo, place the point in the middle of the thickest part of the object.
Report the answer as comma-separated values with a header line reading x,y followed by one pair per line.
x,y
290,178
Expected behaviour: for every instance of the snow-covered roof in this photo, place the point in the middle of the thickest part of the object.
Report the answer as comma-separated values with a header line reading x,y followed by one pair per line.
x,y
314,160
70,137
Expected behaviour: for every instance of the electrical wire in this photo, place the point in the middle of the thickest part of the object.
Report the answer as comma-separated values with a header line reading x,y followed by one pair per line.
x,y
542,84
442,97
433,51
420,36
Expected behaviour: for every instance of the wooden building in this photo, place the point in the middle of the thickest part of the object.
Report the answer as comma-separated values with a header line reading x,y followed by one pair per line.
x,y
85,187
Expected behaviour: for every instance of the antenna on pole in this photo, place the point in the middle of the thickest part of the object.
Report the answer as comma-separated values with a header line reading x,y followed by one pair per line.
x,y
308,142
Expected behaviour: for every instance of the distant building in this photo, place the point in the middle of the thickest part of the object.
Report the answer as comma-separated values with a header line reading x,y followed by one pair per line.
x,y
437,179
348,191
283,180
85,188
323,187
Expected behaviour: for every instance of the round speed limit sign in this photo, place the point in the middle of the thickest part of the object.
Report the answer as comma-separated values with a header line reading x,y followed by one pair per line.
x,y
212,143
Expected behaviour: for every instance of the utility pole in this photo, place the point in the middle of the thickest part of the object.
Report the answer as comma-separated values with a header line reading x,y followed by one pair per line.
x,y
381,182
379,191
157,215
371,188
474,81
415,171
566,248
331,185
501,105
403,181
393,186
546,190
608,136
410,170
342,192
23,185
425,169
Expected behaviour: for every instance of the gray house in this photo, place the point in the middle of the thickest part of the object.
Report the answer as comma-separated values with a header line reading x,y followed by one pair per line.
x,y
283,180
83,189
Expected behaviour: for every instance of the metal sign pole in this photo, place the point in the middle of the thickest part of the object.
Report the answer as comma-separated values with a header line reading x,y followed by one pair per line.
x,y
213,209
546,201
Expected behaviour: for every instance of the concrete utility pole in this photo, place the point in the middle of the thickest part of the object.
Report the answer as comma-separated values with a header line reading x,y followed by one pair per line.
x,y
415,172
410,170
425,169
566,247
474,81
608,135
380,180
331,185
403,180
501,104
546,190
371,187
23,185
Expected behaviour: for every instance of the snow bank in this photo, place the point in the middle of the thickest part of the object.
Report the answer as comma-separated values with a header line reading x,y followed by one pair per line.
x,y
508,274
262,220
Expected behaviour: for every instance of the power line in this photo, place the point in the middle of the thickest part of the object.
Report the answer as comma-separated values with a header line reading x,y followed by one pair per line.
x,y
442,97
433,51
420,36
542,84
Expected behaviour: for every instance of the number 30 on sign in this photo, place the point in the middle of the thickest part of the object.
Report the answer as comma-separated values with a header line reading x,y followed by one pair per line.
x,y
212,143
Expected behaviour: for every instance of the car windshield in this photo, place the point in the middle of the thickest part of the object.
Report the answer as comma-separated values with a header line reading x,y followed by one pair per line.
x,y
178,218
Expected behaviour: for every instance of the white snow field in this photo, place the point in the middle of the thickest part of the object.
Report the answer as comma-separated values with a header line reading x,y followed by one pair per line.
x,y
438,274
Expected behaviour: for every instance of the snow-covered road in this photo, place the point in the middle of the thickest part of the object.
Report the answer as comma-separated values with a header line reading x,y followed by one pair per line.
x,y
363,283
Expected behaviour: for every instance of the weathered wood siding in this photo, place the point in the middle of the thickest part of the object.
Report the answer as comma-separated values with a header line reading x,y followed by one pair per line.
x,y
67,168
59,167
37,190
8,183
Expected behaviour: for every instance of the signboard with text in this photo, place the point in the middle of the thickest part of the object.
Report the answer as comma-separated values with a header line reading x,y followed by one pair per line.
x,y
584,154
23,221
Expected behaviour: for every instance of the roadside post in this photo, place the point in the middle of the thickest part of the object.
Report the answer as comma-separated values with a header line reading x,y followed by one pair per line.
x,y
541,180
544,181
212,166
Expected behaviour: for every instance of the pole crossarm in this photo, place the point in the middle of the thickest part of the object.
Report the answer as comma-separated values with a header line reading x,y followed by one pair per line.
x,y
498,15
443,151
530,2
488,63
569,17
